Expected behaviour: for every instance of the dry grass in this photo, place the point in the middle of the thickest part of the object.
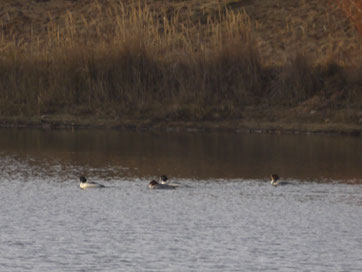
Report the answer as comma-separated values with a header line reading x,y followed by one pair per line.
x,y
182,60
353,10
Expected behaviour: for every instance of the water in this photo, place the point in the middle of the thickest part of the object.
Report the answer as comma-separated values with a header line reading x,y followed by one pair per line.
x,y
224,217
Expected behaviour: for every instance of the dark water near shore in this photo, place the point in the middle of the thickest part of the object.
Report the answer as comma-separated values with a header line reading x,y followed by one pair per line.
x,y
225,216
185,155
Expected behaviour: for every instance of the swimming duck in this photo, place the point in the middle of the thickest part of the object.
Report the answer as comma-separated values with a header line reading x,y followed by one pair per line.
x,y
84,184
275,180
155,185
164,180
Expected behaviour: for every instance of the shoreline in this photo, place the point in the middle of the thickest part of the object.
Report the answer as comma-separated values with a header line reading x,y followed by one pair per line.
x,y
233,126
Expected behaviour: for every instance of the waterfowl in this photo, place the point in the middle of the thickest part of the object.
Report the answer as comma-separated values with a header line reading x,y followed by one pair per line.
x,y
84,184
155,185
275,180
164,180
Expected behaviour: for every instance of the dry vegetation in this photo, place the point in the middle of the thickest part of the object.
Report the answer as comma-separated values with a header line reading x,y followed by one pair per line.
x,y
180,60
353,10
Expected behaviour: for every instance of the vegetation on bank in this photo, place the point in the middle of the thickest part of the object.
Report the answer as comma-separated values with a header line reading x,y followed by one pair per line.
x,y
164,62
353,10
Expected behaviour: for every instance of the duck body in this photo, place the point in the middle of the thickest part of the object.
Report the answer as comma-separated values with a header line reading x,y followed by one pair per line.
x,y
155,185
165,180
84,184
275,181
279,183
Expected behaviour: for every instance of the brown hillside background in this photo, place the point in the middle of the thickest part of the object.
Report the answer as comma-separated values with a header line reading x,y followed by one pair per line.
x,y
264,60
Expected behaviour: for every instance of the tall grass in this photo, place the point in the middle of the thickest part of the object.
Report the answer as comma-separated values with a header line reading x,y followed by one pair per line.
x,y
134,60
353,10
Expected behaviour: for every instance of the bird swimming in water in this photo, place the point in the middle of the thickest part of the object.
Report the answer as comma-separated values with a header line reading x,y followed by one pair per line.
x,y
84,184
275,180
155,185
164,180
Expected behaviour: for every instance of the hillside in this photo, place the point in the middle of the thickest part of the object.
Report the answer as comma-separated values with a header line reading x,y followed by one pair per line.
x,y
282,63
317,27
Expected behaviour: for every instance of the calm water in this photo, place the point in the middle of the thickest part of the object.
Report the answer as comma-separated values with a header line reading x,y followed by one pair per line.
x,y
224,217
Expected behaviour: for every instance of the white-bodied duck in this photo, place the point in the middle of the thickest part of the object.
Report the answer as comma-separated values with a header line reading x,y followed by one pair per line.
x,y
155,185
84,184
164,180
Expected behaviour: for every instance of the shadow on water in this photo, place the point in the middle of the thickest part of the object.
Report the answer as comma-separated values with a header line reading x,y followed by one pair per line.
x,y
111,153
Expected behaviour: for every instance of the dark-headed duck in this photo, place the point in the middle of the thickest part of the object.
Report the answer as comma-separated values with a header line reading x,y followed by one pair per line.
x,y
275,180
155,185
84,184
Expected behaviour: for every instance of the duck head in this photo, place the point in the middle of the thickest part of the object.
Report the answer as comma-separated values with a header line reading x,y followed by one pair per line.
x,y
82,179
274,179
163,179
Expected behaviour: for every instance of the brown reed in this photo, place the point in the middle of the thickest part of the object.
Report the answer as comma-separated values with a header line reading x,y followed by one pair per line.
x,y
136,60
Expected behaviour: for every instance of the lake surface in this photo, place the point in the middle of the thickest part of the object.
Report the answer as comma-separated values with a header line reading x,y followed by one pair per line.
x,y
225,216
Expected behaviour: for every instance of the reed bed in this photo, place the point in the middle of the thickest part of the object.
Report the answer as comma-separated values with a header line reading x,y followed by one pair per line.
x,y
143,62
353,10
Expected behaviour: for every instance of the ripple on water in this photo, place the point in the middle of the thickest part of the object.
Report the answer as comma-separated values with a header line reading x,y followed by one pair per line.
x,y
210,225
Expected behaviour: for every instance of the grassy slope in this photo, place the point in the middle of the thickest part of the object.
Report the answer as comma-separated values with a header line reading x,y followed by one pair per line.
x,y
315,26
292,38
